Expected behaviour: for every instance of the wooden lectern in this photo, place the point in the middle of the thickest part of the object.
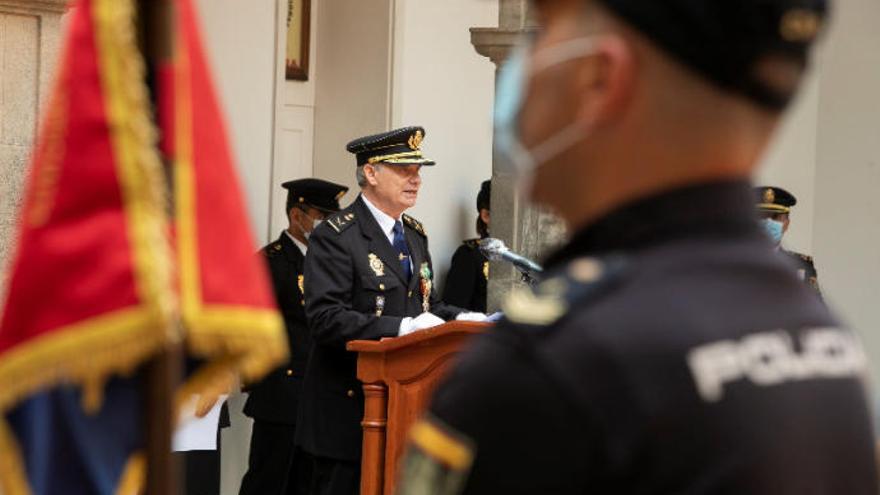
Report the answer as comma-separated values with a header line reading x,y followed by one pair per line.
x,y
399,375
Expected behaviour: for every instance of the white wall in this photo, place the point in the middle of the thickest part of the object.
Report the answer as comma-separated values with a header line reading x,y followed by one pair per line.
x,y
441,83
847,221
354,69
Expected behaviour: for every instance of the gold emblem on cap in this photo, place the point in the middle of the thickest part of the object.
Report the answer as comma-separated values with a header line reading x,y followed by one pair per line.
x,y
415,141
800,25
769,196
339,195
376,265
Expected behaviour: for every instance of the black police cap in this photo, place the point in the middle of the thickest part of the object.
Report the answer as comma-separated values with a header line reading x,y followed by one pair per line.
x,y
726,40
484,197
317,193
398,147
774,199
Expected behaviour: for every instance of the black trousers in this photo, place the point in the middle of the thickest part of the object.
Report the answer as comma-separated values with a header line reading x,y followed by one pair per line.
x,y
334,477
275,467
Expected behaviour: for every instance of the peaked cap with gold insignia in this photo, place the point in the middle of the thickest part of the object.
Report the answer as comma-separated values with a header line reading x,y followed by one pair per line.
x,y
735,44
398,147
774,199
319,194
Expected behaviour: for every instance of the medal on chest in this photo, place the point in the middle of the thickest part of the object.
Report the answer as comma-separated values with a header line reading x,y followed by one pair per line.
x,y
426,285
376,265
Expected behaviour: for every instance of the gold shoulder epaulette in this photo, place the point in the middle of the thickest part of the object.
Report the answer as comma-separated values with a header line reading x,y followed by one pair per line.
x,y
341,221
472,243
414,224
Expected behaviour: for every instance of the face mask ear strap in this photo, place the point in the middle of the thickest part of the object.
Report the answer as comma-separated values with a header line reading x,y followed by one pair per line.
x,y
563,52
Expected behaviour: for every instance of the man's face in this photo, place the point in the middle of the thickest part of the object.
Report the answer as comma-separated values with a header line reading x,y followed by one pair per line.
x,y
305,217
555,96
396,185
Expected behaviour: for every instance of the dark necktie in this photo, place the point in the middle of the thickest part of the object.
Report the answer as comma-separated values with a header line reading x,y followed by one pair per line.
x,y
402,249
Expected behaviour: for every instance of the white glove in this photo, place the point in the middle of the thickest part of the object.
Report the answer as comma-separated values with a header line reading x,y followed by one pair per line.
x,y
425,320
467,316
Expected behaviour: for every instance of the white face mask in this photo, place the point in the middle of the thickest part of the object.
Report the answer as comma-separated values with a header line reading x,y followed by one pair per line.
x,y
510,98
315,223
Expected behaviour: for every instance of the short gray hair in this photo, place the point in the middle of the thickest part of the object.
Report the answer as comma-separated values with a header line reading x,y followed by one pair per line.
x,y
361,176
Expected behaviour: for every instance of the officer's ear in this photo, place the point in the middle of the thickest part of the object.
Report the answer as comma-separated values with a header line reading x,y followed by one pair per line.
x,y
370,172
606,80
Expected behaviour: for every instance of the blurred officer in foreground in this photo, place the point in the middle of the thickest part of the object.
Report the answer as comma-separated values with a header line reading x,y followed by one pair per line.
x,y
668,350
273,469
774,208
469,270
368,275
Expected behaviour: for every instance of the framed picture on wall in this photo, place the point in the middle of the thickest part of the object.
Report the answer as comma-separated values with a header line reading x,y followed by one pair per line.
x,y
297,53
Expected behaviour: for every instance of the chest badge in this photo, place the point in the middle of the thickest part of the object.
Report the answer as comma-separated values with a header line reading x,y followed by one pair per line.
x,y
376,265
300,282
486,270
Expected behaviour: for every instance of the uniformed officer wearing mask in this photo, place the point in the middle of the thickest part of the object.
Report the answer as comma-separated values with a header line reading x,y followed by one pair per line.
x,y
668,349
774,210
368,275
273,469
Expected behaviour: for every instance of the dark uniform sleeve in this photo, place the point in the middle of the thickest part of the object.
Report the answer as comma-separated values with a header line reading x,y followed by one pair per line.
x,y
460,283
329,284
516,434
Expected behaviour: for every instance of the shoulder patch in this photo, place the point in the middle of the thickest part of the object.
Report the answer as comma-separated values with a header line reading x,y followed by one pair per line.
x,y
341,221
437,461
271,249
547,302
414,224
472,243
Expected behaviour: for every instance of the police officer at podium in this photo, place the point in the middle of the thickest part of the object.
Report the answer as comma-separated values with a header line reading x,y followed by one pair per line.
x,y
273,467
668,348
368,275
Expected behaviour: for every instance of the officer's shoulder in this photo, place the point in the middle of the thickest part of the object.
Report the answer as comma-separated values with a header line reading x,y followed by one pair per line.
x,y
471,243
341,220
563,291
271,250
414,224
800,256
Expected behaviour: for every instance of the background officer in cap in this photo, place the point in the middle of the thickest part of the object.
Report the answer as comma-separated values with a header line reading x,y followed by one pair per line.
x,y
668,349
774,208
273,402
469,270
368,276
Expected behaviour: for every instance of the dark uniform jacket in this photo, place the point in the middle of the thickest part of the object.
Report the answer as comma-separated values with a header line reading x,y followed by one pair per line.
x,y
355,289
468,277
276,397
806,270
670,350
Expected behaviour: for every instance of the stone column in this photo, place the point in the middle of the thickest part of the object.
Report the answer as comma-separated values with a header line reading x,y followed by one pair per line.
x,y
30,34
524,229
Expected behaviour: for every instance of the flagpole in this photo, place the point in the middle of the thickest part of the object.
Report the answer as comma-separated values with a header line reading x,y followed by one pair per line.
x,y
163,372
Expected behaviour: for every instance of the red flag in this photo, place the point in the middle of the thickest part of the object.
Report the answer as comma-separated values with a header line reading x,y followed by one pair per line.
x,y
227,305
89,293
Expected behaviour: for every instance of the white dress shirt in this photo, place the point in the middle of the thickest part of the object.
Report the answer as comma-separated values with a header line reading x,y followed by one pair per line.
x,y
302,247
